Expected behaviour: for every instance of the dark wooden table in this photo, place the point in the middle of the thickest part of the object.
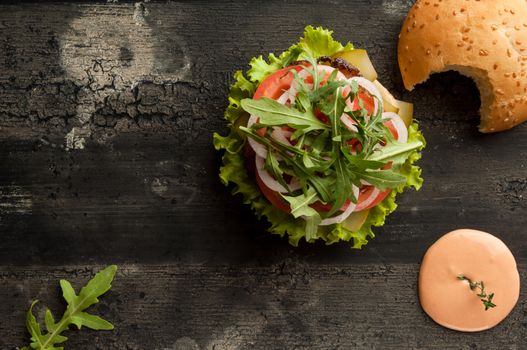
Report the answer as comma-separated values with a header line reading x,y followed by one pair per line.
x,y
106,116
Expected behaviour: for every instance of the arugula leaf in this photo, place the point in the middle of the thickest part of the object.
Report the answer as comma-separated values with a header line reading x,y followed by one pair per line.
x,y
300,208
396,152
74,314
273,167
382,179
273,113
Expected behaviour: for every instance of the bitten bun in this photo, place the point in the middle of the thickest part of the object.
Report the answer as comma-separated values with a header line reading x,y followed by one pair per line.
x,y
483,39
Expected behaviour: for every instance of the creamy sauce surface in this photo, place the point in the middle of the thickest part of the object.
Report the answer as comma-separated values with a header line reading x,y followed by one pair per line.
x,y
478,256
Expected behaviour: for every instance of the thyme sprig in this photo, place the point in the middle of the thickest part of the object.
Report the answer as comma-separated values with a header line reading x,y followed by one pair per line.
x,y
484,297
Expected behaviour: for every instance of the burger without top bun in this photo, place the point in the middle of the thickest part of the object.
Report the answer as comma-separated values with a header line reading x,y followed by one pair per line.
x,y
317,145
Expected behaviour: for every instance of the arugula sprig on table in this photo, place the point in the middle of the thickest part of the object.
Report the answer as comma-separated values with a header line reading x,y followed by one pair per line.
x,y
74,314
322,158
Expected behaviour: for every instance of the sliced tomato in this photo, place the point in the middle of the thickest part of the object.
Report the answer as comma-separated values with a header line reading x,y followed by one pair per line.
x,y
272,196
392,129
365,193
275,84
367,102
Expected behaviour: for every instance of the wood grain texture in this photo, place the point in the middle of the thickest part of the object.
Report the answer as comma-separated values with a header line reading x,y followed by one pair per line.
x,y
106,117
287,305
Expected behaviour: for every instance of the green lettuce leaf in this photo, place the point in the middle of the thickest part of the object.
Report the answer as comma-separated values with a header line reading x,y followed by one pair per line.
x,y
316,42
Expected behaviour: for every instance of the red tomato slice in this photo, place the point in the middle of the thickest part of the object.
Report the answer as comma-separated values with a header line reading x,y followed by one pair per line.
x,y
366,192
392,129
275,84
367,102
272,196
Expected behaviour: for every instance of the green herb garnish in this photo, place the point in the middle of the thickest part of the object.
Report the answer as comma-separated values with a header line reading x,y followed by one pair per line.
x,y
74,314
485,298
322,159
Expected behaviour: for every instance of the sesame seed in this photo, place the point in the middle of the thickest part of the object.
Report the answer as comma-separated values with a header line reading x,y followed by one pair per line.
x,y
509,53
428,52
494,27
500,91
514,75
495,66
460,44
483,53
507,75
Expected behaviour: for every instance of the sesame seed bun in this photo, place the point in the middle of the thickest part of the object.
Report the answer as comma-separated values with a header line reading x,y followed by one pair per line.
x,y
483,39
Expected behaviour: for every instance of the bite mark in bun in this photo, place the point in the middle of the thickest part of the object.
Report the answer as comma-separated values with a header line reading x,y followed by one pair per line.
x,y
485,40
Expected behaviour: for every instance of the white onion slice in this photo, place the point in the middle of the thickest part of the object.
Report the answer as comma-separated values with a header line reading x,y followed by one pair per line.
x,y
402,131
257,147
372,89
365,203
270,182
287,97
348,122
341,217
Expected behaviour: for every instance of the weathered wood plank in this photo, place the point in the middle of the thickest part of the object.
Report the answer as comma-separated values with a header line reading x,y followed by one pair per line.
x,y
291,304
